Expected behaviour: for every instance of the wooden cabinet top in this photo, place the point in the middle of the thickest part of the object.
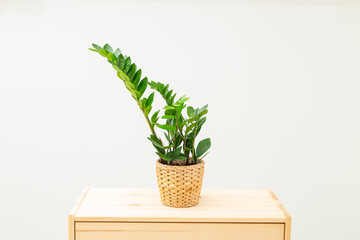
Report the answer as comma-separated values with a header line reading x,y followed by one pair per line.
x,y
143,205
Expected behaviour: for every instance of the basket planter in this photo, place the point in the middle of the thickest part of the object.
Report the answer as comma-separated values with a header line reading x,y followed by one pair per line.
x,y
180,186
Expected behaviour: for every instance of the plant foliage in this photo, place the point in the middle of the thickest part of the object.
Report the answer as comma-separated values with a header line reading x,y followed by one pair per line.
x,y
180,130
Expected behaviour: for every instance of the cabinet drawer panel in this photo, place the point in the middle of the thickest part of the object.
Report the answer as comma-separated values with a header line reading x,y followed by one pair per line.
x,y
178,231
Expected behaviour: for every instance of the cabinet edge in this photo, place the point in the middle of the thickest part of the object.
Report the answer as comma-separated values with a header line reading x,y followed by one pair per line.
x,y
72,213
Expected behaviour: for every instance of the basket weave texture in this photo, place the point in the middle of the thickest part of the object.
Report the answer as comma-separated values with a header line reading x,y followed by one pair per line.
x,y
180,186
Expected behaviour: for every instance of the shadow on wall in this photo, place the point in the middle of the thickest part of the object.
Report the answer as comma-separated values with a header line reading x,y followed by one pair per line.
x,y
28,7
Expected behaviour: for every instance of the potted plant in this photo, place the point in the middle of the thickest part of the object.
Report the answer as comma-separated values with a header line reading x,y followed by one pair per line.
x,y
180,166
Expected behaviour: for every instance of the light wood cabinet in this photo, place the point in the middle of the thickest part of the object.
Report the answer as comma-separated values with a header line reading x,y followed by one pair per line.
x,y
131,214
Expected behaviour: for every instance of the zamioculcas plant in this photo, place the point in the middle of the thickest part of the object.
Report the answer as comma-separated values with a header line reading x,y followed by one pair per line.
x,y
180,130
180,167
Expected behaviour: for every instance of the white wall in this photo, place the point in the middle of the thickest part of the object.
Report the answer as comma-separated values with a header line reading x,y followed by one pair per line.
x,y
281,80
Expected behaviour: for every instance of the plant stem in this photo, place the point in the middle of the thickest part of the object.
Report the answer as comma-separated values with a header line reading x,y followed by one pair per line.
x,y
193,151
151,128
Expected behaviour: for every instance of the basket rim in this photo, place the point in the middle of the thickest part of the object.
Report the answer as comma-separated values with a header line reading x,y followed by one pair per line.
x,y
199,164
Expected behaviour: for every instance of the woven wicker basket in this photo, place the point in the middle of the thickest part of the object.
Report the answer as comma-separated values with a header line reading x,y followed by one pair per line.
x,y
180,186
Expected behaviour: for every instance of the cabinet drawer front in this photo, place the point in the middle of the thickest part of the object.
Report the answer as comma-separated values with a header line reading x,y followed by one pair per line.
x,y
178,231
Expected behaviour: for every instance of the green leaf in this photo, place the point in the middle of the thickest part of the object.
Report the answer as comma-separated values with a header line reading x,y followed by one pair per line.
x,y
167,137
127,65
121,62
103,52
117,53
201,121
142,86
170,112
165,89
190,111
169,107
168,117
154,116
122,76
203,108
153,84
147,110
166,158
168,95
178,140
157,144
141,103
111,57
129,85
137,78
97,47
171,100
202,113
196,112
131,71
166,127
203,146
183,99
190,127
116,67
93,50
108,48
135,94
174,154
155,141
150,99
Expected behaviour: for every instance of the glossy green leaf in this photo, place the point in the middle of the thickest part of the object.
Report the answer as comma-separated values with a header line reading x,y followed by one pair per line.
x,y
121,62
117,53
129,85
183,99
166,127
127,65
203,146
168,95
97,47
201,121
190,111
137,78
202,113
164,157
131,72
169,107
103,52
122,76
155,143
108,48
111,57
168,117
171,100
147,110
141,103
142,86
165,89
155,116
150,99
190,127
135,94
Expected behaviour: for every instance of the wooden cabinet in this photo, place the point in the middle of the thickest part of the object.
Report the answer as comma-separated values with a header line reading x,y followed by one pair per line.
x,y
131,214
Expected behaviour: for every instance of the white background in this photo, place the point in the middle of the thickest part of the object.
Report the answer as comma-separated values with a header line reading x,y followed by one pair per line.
x,y
281,78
